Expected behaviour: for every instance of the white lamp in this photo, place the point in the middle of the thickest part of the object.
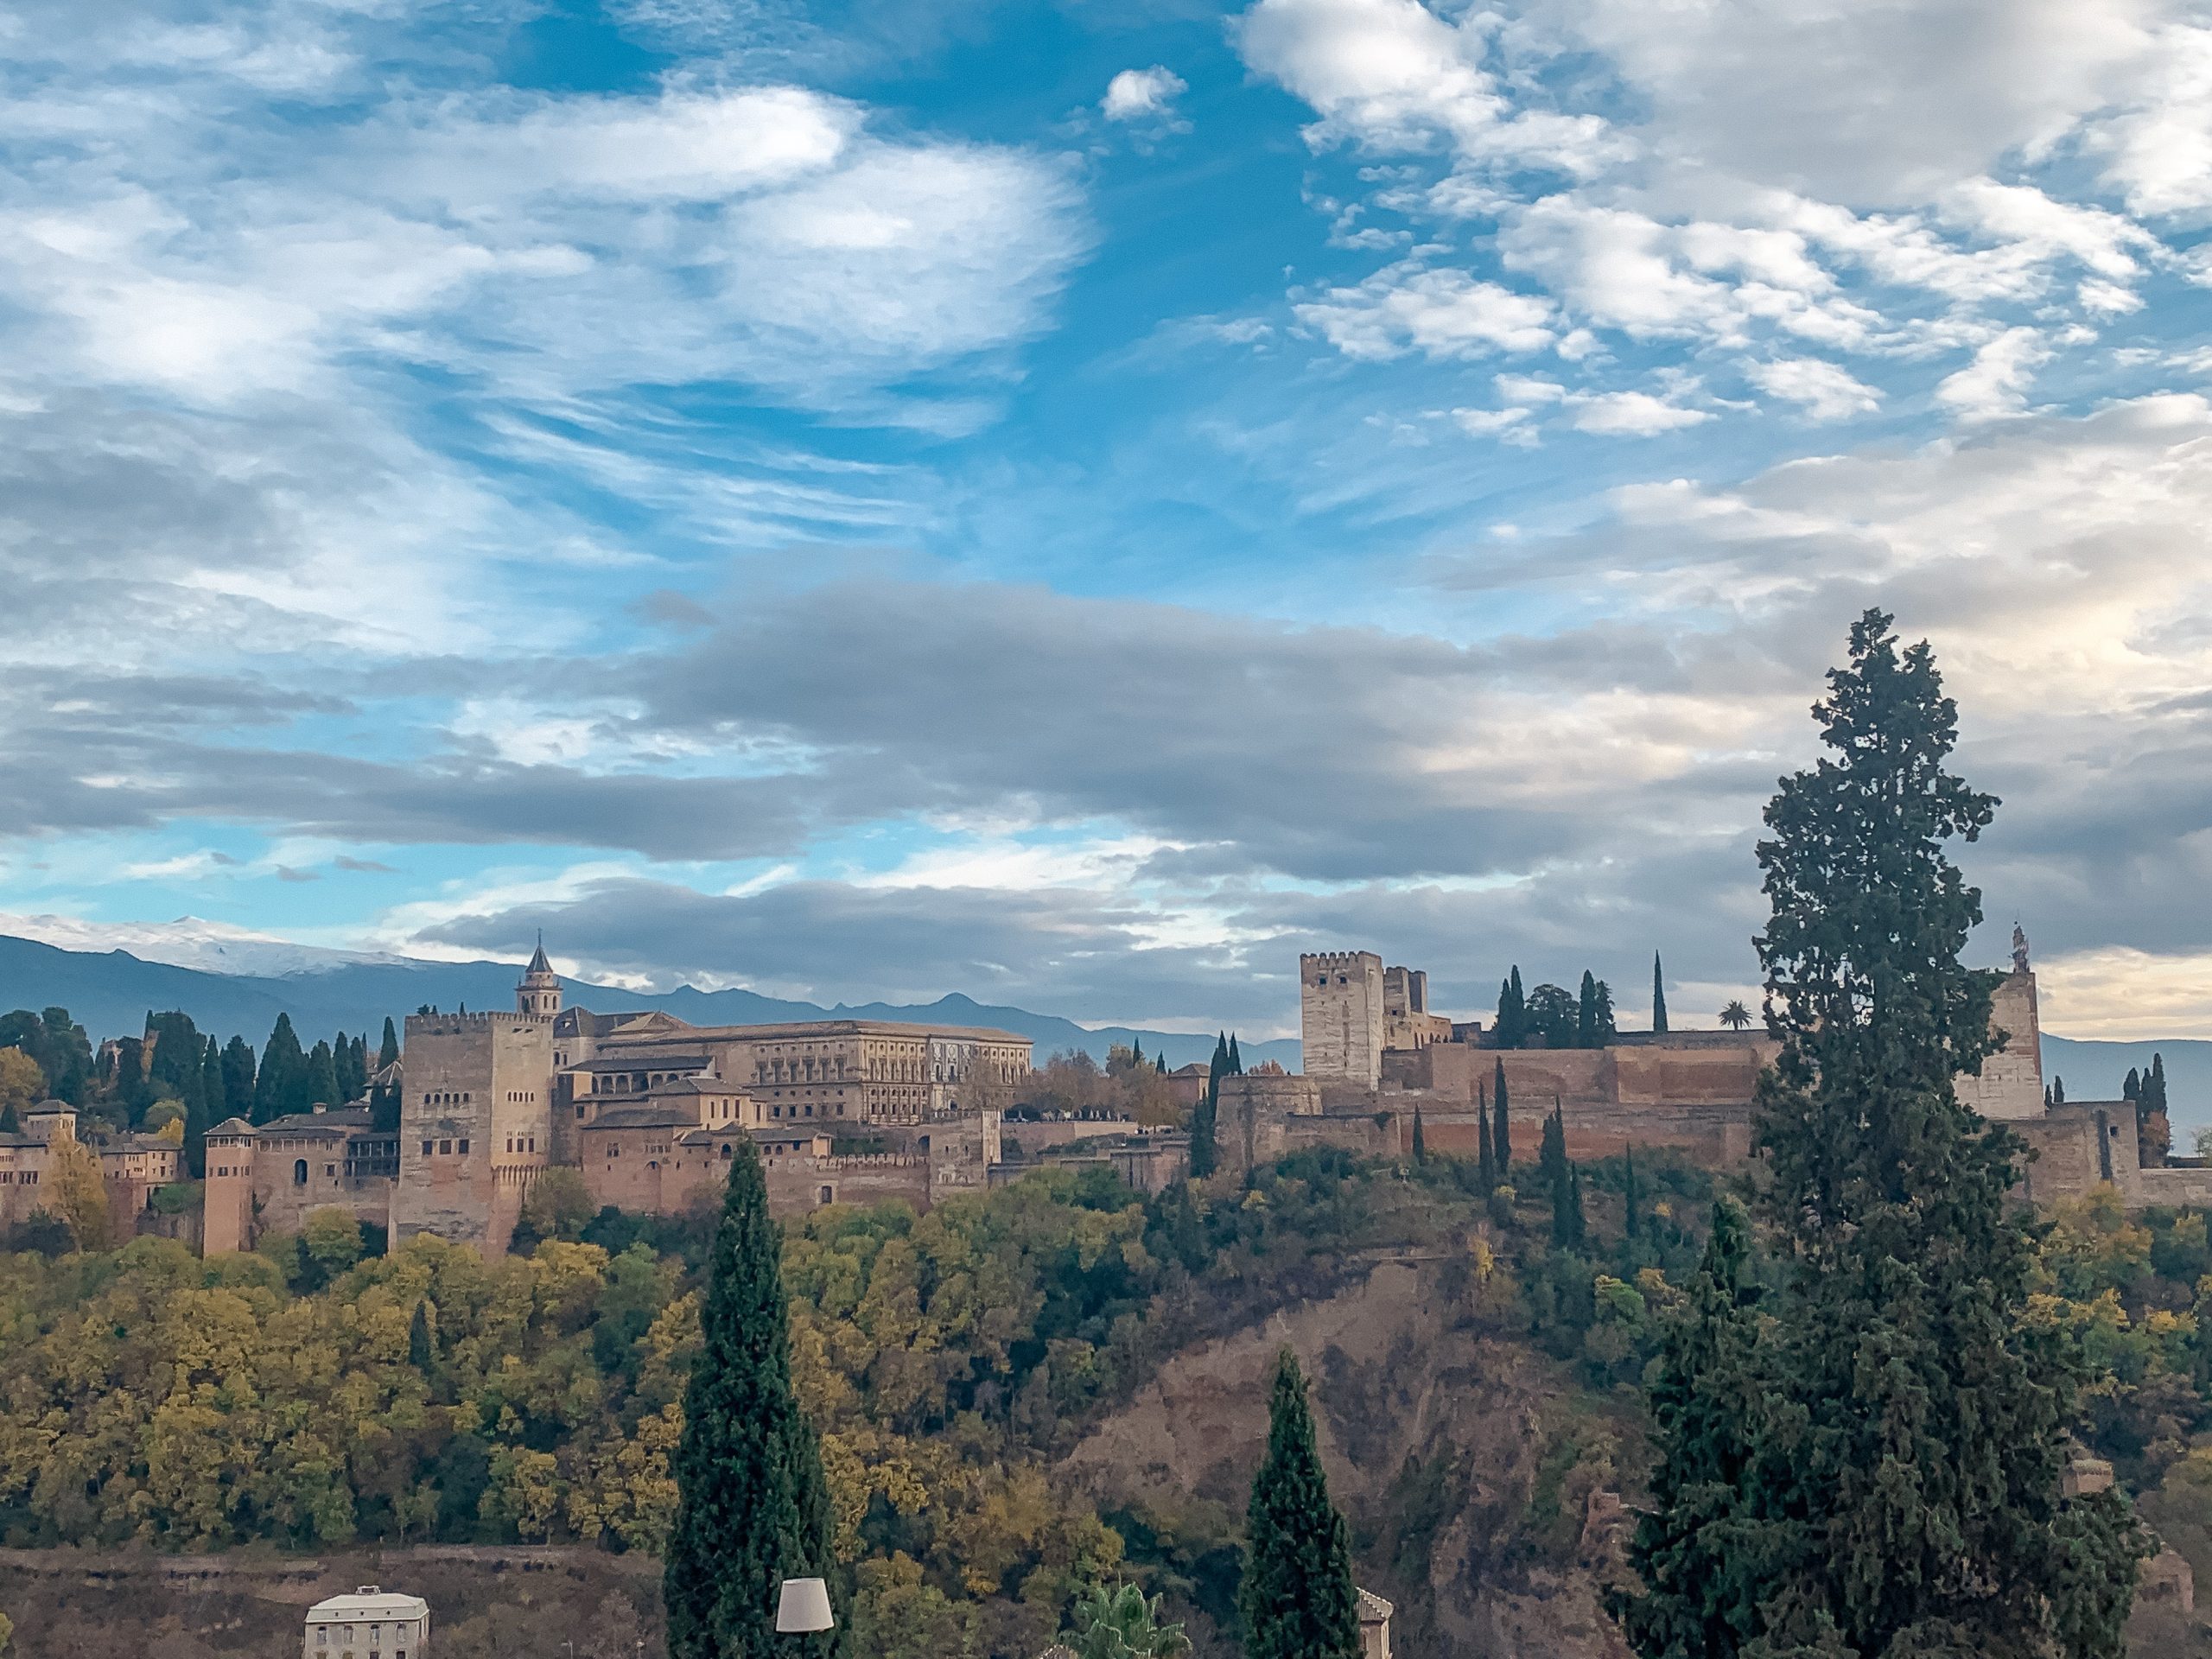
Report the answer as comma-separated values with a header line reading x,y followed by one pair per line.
x,y
804,1605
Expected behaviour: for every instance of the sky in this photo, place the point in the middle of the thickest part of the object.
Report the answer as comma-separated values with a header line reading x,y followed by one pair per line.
x,y
1075,503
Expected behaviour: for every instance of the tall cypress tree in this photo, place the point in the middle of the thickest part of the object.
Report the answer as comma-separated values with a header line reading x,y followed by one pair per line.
x,y
280,1083
1631,1201
1658,995
1487,1155
1585,1013
751,1507
1500,1129
319,1084
1236,1059
1420,1140
1895,1438
200,1111
1297,1598
237,1081
388,1051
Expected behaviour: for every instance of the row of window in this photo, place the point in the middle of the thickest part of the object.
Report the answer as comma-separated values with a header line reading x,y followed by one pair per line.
x,y
12,1176
446,1098
447,1147
517,1143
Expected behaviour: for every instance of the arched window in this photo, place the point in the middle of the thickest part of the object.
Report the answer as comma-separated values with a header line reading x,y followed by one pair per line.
x,y
299,1172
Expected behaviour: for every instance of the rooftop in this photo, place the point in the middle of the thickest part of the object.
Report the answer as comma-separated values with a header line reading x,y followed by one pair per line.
x,y
369,1602
343,1120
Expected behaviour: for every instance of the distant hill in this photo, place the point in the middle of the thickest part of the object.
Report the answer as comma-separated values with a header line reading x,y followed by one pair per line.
x,y
111,993
2095,1071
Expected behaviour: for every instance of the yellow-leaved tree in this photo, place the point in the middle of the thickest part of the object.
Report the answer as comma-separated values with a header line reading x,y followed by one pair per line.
x,y
22,1085
72,1192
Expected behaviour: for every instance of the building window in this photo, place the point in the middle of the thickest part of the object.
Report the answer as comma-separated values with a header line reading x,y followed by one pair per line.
x,y
426,1147
463,1147
299,1172
826,1195
445,1146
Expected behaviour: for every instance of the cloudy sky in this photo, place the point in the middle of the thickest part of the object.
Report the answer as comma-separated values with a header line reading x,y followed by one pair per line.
x,y
1075,502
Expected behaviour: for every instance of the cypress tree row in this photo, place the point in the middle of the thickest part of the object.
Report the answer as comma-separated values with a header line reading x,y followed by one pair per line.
x,y
751,1506
1872,1469
1296,1599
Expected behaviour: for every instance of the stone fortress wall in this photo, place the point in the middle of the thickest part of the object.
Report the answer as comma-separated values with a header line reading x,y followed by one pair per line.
x,y
1341,1017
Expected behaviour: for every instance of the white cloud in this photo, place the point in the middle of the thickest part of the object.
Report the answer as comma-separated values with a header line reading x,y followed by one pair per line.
x,y
2046,229
1995,383
1633,414
1440,313
1139,94
1392,75
1826,392
2160,149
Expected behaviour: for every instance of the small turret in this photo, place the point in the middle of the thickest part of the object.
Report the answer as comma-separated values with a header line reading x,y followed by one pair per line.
x,y
539,991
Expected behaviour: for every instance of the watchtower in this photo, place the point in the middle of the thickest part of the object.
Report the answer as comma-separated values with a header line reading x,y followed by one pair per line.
x,y
1341,1005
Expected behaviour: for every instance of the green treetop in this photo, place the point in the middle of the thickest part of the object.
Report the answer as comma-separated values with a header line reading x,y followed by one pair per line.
x,y
1658,994
751,1507
387,1051
1890,1451
1297,1598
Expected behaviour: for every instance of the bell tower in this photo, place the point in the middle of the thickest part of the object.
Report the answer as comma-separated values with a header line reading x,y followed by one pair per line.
x,y
539,991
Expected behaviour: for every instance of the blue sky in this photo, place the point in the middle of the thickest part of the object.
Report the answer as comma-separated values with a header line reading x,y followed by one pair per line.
x,y
1075,503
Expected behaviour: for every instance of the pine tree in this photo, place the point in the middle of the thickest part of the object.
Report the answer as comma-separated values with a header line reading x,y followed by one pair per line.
x,y
1486,1168
280,1085
1420,1140
2133,1088
1608,1025
1585,1017
1562,1183
1512,1011
418,1339
1658,995
1894,1446
2153,1128
1236,1059
1205,1147
2058,1091
1136,1053
1501,1127
389,1050
1297,1596
752,1508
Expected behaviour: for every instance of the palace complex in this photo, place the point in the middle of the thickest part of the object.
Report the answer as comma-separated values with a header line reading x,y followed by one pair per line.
x,y
648,1111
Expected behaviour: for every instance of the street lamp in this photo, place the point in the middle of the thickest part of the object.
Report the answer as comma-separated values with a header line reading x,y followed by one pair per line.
x,y
804,1605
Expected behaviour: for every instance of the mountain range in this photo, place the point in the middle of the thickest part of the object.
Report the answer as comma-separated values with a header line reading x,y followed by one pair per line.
x,y
109,993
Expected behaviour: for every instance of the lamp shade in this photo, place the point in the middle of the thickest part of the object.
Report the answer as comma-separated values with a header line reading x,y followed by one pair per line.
x,y
804,1605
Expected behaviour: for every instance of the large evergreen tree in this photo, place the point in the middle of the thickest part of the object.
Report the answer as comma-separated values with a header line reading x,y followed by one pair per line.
x,y
1420,1140
1486,1155
1512,1027
752,1507
320,1085
1296,1599
1878,1476
1501,1126
239,1073
280,1083
1658,995
387,1051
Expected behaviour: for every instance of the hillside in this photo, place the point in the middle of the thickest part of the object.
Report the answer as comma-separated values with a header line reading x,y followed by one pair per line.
x,y
111,993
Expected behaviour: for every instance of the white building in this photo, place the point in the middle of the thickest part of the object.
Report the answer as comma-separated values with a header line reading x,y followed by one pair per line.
x,y
371,1623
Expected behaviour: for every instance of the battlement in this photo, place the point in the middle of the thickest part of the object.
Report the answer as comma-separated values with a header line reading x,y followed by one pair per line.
x,y
1338,958
456,1024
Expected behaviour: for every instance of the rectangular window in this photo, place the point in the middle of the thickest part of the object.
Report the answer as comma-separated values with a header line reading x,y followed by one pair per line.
x,y
464,1146
445,1146
426,1148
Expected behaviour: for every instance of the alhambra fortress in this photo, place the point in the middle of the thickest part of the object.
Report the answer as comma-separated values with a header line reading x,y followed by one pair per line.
x,y
649,1109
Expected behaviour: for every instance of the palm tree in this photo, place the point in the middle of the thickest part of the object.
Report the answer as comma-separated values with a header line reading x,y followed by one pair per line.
x,y
1118,1621
1736,1016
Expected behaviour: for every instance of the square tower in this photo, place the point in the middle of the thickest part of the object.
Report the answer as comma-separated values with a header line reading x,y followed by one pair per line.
x,y
476,1118
1341,1005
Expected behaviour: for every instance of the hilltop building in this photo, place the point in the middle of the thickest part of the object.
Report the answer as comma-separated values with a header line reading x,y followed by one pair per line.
x,y
647,1108
132,1165
1374,1054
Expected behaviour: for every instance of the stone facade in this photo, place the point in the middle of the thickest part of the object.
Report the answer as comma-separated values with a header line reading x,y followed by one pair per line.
x,y
1407,1022
1341,1020
131,1166
475,1122
646,1106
